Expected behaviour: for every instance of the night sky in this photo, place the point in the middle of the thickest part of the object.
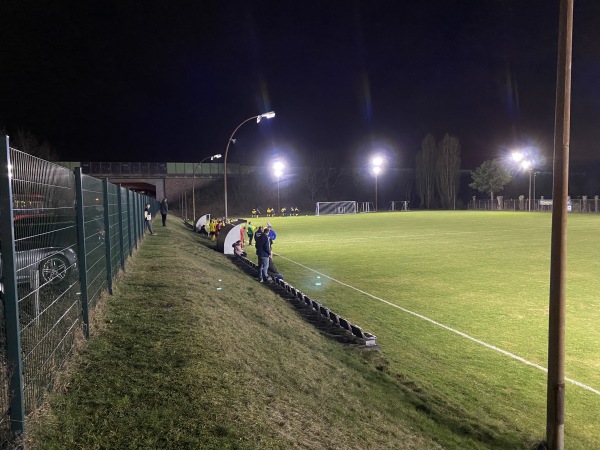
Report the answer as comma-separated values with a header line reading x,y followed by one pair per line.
x,y
170,80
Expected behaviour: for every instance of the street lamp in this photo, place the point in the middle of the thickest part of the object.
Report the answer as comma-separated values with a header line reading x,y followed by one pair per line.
x,y
217,156
376,163
268,115
278,167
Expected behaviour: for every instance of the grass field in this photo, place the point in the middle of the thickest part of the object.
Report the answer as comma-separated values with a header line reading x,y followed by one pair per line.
x,y
191,352
485,275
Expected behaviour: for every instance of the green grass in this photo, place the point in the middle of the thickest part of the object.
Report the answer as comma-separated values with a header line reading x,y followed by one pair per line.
x,y
181,365
483,274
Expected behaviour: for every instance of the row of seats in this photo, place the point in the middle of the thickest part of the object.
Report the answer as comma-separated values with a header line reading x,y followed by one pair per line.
x,y
368,338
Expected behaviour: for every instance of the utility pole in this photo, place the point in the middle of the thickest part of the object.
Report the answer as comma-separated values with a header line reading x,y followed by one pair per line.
x,y
555,407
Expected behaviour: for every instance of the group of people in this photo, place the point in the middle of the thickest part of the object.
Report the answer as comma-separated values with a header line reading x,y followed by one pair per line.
x,y
164,210
294,211
263,241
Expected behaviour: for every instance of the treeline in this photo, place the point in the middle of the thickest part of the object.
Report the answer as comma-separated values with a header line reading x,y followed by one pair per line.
x,y
437,172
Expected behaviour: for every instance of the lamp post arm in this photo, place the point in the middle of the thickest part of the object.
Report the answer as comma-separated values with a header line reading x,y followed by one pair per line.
x,y
225,158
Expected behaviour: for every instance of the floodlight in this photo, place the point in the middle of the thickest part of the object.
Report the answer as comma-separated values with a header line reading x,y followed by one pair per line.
x,y
526,164
377,161
268,115
516,156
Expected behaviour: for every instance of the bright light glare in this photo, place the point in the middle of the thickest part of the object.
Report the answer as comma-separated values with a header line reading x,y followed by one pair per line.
x,y
268,115
376,170
516,156
278,167
217,156
377,161
526,164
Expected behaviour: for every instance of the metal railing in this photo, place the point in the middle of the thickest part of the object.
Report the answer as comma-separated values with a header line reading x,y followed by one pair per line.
x,y
64,237
580,205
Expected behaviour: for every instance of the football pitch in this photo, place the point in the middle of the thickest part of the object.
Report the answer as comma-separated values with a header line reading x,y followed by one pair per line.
x,y
459,303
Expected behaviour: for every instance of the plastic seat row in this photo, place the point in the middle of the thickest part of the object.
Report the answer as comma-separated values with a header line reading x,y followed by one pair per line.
x,y
368,338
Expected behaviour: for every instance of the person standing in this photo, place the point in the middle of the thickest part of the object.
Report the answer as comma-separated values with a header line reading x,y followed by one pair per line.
x,y
164,210
250,231
263,251
148,219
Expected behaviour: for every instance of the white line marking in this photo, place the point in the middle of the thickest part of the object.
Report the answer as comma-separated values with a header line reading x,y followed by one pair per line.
x,y
460,333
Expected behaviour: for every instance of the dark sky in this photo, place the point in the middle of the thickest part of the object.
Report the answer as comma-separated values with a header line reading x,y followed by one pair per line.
x,y
170,80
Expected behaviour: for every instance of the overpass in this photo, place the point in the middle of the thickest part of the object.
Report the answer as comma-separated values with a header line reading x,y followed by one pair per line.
x,y
158,179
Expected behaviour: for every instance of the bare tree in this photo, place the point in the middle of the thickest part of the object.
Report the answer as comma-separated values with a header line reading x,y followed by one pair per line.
x,y
314,182
331,177
425,170
447,170
28,143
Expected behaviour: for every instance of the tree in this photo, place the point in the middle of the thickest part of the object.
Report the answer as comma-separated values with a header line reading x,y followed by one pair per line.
x,y
490,177
425,173
447,169
314,182
26,141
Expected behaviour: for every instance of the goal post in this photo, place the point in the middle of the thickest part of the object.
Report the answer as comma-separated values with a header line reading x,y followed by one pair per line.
x,y
329,208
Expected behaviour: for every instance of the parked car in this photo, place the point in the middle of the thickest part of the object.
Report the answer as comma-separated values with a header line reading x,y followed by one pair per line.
x,y
54,264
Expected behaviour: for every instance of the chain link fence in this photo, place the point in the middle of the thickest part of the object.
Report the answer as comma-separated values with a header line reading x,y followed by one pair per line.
x,y
64,236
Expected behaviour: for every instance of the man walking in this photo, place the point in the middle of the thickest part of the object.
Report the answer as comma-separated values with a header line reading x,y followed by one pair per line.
x,y
164,210
263,251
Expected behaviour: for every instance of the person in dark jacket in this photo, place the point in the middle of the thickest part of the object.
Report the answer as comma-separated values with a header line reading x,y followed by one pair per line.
x,y
263,251
273,271
164,210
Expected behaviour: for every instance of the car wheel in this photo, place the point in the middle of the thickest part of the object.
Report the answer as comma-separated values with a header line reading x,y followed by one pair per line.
x,y
54,270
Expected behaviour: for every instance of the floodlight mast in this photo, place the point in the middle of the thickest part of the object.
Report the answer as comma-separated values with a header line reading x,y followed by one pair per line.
x,y
278,167
268,115
376,163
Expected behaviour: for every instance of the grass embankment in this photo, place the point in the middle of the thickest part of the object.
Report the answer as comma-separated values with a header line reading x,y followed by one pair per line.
x,y
181,365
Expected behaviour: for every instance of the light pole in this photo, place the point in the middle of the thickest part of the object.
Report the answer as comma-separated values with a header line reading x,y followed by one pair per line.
x,y
268,115
217,156
278,167
376,163
534,203
525,164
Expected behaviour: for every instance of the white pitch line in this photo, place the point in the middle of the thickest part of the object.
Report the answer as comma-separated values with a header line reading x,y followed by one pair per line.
x,y
446,327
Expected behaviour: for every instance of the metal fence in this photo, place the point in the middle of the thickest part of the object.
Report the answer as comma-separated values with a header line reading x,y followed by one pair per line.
x,y
64,236
580,205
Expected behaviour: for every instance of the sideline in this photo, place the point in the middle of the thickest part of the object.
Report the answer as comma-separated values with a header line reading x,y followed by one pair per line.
x,y
460,333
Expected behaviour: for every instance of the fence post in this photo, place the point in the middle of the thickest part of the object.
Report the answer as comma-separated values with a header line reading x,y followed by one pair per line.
x,y
82,252
14,365
121,237
135,219
107,240
129,224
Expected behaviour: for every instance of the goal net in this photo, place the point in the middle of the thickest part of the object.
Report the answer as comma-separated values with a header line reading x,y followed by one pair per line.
x,y
326,208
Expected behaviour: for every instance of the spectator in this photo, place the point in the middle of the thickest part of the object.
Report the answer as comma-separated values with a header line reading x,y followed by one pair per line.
x,y
273,272
237,249
250,231
148,219
271,234
164,210
263,251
